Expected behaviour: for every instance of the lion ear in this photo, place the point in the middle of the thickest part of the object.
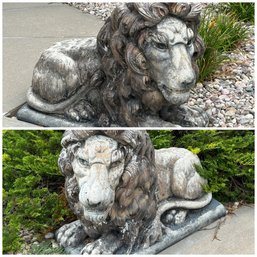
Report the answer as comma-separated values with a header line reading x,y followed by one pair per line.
x,y
135,59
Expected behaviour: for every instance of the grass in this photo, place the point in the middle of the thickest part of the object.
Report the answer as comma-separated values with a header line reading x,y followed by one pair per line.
x,y
243,11
221,32
45,247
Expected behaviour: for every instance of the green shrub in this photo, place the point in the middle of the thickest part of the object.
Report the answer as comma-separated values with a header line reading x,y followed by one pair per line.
x,y
161,138
221,33
32,185
243,11
227,158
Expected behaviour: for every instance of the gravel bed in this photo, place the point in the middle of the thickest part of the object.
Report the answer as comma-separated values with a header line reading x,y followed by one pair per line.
x,y
228,97
32,244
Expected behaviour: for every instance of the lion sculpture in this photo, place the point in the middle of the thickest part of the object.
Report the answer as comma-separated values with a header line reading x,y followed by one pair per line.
x,y
138,71
124,192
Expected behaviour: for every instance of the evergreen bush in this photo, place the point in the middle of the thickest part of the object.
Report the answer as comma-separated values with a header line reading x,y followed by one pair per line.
x,y
32,185
227,159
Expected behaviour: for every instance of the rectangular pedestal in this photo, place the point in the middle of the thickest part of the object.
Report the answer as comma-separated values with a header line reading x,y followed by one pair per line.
x,y
196,220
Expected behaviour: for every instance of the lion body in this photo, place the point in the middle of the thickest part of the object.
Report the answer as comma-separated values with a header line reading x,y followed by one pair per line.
x,y
141,64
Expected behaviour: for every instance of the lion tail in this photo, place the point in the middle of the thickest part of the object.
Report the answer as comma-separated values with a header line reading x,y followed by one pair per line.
x,y
39,104
183,203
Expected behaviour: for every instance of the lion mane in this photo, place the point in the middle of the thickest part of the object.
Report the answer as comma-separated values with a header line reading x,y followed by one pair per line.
x,y
120,44
134,197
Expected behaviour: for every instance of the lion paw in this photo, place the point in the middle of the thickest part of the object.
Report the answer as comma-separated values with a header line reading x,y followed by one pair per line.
x,y
71,234
194,116
103,245
95,247
153,234
186,116
175,217
81,111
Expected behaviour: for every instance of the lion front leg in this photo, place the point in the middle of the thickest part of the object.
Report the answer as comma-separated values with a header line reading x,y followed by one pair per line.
x,y
106,244
153,233
71,234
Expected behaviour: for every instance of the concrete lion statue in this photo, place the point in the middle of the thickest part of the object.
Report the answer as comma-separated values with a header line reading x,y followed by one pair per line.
x,y
138,71
123,192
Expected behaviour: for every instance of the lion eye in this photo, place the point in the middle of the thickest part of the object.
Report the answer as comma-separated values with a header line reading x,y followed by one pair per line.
x,y
190,42
160,45
115,164
83,162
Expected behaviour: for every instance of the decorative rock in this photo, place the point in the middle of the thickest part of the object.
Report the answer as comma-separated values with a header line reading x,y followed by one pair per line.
x,y
27,238
54,244
231,111
224,97
249,89
246,119
208,102
225,91
49,235
34,239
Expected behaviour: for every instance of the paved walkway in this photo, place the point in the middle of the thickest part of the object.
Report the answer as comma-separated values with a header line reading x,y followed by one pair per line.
x,y
28,29
234,236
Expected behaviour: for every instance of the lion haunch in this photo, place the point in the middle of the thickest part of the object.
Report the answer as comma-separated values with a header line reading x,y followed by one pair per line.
x,y
138,71
122,190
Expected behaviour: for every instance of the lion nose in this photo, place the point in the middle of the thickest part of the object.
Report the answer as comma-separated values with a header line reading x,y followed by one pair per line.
x,y
188,82
93,204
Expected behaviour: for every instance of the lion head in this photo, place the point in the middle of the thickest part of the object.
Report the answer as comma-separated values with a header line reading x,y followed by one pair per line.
x,y
148,53
109,175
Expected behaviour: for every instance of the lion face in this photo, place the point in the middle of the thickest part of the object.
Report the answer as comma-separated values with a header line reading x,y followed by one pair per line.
x,y
98,165
169,52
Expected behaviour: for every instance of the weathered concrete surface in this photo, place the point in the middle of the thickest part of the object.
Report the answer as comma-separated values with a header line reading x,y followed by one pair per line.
x,y
14,123
28,29
235,236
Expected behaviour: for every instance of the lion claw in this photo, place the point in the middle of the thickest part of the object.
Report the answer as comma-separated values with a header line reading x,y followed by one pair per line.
x,y
96,247
71,234
81,111
187,116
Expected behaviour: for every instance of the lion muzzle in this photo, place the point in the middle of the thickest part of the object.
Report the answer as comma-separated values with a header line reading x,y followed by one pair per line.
x,y
96,195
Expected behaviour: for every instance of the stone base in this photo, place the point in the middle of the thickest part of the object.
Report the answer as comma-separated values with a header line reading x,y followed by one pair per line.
x,y
25,113
196,220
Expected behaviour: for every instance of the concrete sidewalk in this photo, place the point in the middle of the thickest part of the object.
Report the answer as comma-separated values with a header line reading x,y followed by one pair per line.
x,y
235,235
28,29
